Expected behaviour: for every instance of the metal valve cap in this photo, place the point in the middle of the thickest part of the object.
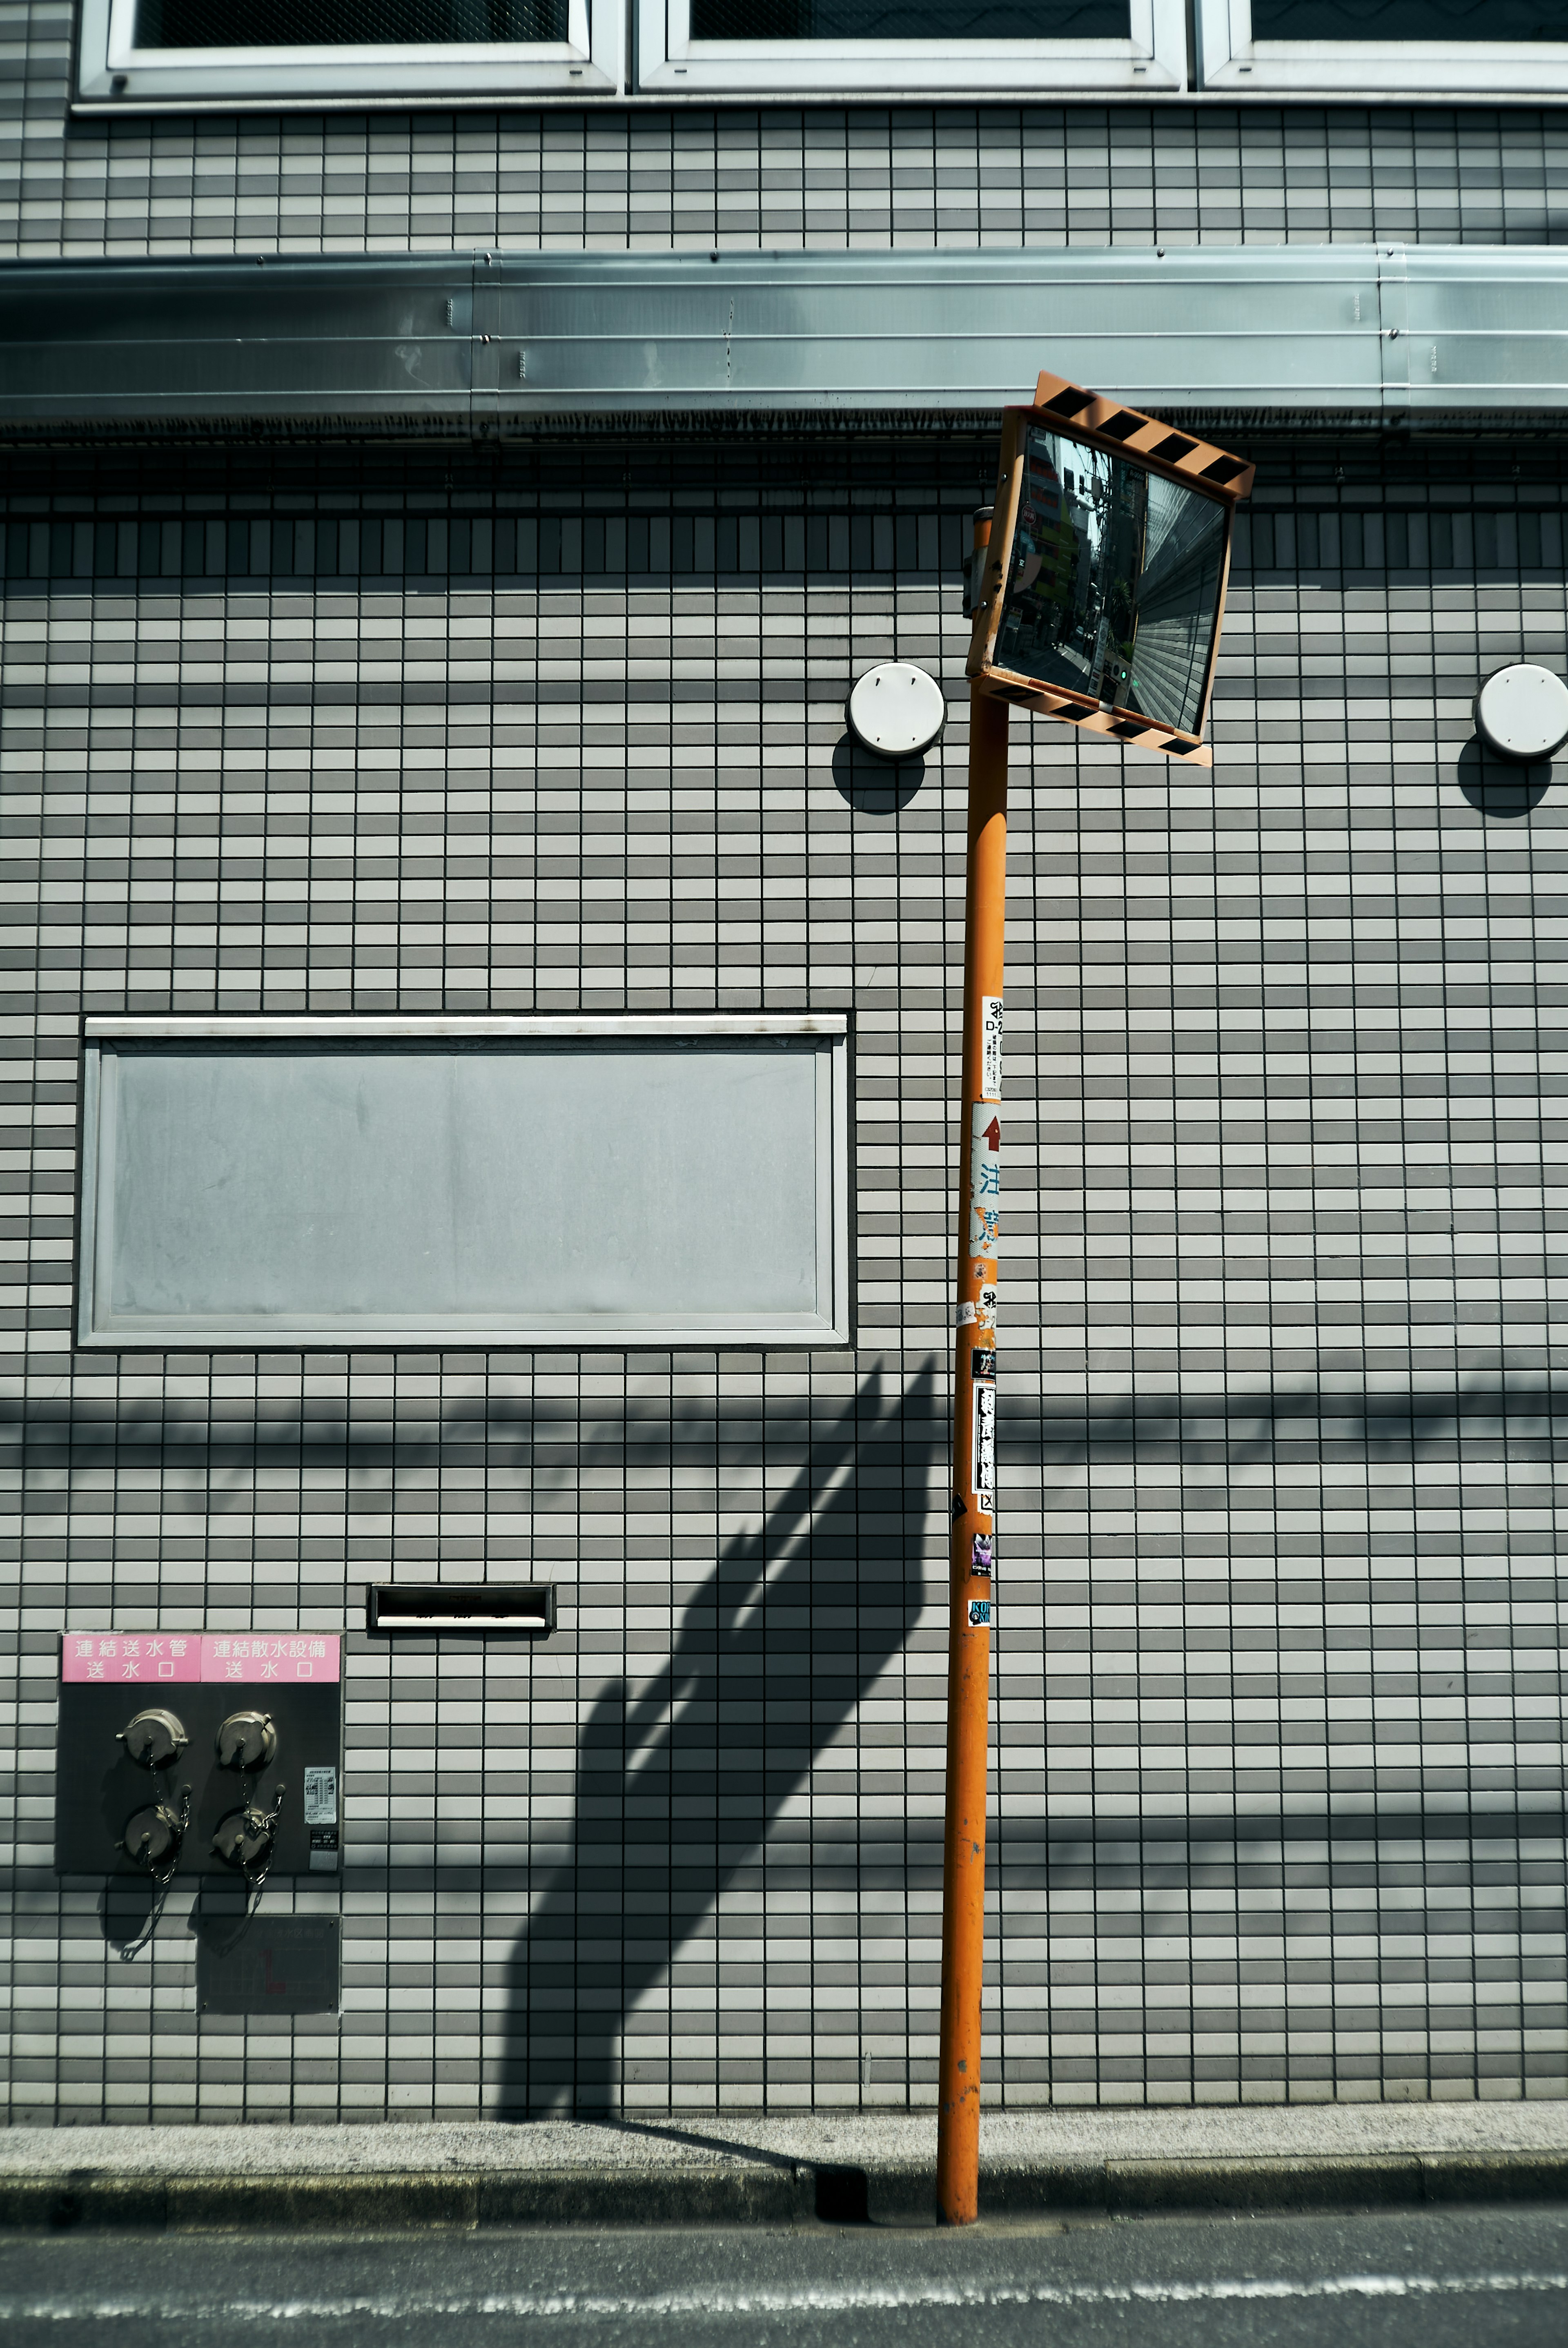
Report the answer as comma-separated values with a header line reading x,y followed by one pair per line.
x,y
247,1740
244,1837
152,1836
155,1740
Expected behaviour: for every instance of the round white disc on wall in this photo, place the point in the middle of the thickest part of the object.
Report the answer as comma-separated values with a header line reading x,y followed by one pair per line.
x,y
897,710
1522,711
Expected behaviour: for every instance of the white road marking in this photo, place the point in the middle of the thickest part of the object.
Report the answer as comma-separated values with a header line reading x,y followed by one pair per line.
x,y
826,2299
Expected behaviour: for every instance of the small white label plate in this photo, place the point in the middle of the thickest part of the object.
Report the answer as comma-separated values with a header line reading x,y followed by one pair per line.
x,y
321,1798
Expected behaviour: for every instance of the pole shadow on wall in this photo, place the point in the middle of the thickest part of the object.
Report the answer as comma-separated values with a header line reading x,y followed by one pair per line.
x,y
677,1787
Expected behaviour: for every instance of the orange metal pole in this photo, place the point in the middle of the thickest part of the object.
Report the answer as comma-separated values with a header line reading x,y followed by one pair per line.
x,y
971,1575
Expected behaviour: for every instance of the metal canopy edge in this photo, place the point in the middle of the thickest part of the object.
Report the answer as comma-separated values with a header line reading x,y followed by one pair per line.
x,y
496,342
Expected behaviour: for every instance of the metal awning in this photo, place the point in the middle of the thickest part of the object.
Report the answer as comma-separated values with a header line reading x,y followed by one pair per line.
x,y
483,342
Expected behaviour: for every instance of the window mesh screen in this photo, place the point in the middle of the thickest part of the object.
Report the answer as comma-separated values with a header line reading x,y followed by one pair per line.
x,y
909,20
1410,20
327,24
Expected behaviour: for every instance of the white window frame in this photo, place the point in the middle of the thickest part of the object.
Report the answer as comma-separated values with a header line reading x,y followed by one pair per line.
x,y
826,1034
113,73
671,63
1231,61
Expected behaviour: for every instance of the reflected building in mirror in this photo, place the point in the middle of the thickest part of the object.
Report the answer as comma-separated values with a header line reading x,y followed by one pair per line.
x,y
1105,585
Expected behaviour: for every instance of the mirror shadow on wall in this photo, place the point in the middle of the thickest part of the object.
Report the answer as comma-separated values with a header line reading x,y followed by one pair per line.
x,y
663,1824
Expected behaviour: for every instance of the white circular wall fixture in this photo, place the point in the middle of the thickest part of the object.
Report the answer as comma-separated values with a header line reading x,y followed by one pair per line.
x,y
1522,711
897,710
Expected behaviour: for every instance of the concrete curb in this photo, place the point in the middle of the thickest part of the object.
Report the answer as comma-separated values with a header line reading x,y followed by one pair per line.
x,y
403,2201
767,2194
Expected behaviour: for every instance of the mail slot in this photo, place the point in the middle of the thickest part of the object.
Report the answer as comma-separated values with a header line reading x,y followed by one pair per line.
x,y
517,1609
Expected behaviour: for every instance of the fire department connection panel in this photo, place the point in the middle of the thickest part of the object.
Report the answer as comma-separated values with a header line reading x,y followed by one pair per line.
x,y
198,1754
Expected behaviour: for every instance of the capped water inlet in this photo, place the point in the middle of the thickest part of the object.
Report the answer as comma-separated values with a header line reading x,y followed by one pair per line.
x,y
897,710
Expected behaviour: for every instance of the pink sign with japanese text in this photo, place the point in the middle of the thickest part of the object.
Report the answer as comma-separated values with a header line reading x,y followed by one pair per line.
x,y
171,1657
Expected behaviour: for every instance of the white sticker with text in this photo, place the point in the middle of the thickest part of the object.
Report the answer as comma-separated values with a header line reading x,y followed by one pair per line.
x,y
985,1464
321,1798
990,1048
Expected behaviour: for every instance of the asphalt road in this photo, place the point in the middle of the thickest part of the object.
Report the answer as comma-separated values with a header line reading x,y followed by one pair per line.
x,y
1441,2280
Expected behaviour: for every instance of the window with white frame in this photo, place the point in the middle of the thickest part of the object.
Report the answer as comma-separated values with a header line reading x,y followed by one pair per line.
x,y
996,49
1343,48
140,53
496,1180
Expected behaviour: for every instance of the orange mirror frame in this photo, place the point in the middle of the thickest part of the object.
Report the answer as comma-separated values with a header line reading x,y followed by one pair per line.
x,y
1058,539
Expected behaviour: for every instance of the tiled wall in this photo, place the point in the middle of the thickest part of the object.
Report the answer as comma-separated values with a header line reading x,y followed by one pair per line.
x,y
776,178
1279,1792
1279,1764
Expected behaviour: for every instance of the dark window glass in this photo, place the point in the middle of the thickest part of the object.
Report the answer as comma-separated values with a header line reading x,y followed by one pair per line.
x,y
911,20
322,24
1410,20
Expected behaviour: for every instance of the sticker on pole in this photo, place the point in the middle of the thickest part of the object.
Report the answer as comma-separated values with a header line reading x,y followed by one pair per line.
x,y
990,1048
980,1616
985,1180
985,1451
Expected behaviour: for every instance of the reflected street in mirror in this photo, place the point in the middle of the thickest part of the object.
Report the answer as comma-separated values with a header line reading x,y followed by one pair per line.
x,y
1116,583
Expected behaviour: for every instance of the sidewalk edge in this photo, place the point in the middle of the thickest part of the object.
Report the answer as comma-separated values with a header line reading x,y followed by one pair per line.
x,y
785,2193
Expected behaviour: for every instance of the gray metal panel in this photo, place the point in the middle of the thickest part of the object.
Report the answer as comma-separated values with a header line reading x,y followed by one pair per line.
x,y
499,343
1482,329
915,330
115,341
614,1189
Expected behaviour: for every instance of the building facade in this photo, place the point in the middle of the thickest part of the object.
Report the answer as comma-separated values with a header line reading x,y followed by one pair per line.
x,y
349,716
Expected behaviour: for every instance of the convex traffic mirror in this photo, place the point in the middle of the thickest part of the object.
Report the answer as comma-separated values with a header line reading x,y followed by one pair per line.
x,y
1100,595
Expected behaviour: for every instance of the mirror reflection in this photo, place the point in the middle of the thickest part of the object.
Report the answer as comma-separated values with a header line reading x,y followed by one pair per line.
x,y
1115,581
